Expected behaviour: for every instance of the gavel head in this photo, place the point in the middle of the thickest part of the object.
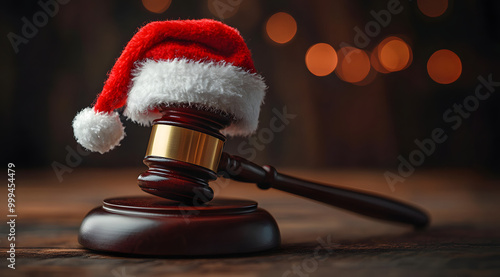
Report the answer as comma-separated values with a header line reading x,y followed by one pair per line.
x,y
183,154
195,81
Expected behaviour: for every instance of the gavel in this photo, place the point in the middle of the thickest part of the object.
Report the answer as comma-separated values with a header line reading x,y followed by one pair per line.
x,y
185,153
195,81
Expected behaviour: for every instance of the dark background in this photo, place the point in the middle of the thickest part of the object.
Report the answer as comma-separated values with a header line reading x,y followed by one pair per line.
x,y
62,69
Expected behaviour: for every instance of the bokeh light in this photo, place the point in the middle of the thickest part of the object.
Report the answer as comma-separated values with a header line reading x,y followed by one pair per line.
x,y
376,62
444,66
394,54
321,59
281,27
353,65
156,6
432,8
370,77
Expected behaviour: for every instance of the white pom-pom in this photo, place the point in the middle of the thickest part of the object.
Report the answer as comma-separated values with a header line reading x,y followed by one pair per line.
x,y
98,132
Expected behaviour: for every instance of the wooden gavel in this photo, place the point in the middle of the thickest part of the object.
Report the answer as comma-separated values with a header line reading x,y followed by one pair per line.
x,y
185,153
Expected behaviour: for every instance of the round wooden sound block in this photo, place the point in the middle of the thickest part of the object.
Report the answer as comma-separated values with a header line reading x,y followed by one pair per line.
x,y
148,225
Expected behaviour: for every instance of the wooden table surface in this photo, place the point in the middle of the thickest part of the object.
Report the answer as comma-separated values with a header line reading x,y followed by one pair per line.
x,y
317,240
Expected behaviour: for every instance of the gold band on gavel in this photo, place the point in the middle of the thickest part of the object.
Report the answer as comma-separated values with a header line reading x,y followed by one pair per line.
x,y
185,145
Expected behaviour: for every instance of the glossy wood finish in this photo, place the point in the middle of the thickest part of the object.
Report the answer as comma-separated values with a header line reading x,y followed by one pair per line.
x,y
148,225
184,221
188,183
181,222
372,205
463,239
177,180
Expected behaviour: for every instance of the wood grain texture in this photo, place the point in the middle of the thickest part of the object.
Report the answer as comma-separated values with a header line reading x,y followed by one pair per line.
x,y
317,240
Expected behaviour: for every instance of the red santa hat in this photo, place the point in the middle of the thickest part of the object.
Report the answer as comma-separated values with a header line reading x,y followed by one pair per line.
x,y
202,63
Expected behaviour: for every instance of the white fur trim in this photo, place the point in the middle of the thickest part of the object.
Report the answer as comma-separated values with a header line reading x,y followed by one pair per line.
x,y
98,132
219,86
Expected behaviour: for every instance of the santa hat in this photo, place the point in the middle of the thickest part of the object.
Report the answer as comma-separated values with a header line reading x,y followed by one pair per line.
x,y
202,63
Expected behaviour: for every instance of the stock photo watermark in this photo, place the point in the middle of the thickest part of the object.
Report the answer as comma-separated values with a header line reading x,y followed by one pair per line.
x,y
373,28
224,8
264,136
73,160
120,272
40,19
11,215
310,264
454,117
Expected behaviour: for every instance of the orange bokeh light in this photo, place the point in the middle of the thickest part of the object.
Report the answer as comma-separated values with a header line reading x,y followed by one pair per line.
x,y
394,54
444,66
354,64
281,27
321,59
372,75
432,8
156,6
376,62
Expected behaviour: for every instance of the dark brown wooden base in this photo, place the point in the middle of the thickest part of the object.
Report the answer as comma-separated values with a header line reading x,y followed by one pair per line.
x,y
148,225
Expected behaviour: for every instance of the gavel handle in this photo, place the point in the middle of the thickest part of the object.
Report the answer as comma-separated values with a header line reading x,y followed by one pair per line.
x,y
240,169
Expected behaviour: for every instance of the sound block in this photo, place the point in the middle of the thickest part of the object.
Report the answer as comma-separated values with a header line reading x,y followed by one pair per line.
x,y
149,225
